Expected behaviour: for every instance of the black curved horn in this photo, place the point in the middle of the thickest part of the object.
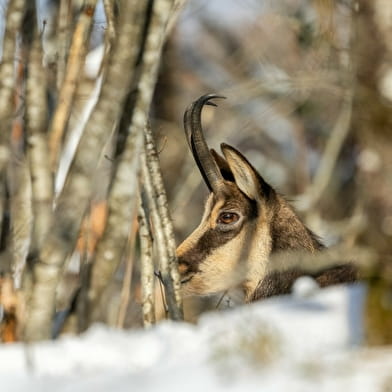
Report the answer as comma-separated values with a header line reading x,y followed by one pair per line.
x,y
194,133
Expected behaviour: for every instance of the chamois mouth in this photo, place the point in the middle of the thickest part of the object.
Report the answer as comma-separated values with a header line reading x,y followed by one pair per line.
x,y
188,279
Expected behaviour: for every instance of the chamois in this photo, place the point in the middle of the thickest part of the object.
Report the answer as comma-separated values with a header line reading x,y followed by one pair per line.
x,y
245,223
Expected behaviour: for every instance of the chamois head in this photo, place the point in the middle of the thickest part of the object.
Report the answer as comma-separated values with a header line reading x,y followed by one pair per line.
x,y
244,220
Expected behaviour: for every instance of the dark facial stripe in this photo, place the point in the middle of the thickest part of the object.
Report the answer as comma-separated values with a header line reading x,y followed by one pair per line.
x,y
213,239
210,240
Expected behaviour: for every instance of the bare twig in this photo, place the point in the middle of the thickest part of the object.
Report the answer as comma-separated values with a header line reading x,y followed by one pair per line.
x,y
147,269
330,156
221,299
63,38
363,258
72,74
175,312
176,9
110,32
158,275
110,23
169,271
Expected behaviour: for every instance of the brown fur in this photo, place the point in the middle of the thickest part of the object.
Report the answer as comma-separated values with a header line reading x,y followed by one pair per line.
x,y
278,283
288,232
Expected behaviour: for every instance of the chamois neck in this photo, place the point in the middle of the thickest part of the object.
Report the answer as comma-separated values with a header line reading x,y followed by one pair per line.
x,y
288,232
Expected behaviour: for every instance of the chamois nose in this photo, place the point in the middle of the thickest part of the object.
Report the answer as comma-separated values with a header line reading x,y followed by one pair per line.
x,y
188,257
183,266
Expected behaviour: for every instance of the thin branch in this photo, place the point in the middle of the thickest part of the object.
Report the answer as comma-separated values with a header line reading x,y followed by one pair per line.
x,y
162,292
363,258
76,58
175,312
64,18
171,276
110,19
330,156
331,266
127,281
147,269
110,32
176,9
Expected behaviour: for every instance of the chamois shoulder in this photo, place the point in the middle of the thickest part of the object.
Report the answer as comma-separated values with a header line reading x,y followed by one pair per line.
x,y
281,282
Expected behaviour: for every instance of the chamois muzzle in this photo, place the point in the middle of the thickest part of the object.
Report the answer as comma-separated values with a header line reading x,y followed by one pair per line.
x,y
201,153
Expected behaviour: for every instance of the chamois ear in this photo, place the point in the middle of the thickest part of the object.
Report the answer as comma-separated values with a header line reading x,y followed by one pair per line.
x,y
245,175
223,166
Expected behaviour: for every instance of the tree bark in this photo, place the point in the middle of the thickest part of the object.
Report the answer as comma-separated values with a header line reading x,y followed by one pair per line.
x,y
164,228
37,145
147,269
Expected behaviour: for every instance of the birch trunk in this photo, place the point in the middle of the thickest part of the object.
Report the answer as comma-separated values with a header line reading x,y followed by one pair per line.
x,y
147,269
37,146
162,222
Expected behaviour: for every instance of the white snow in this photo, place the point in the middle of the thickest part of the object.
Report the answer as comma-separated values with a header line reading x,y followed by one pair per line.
x,y
304,287
283,344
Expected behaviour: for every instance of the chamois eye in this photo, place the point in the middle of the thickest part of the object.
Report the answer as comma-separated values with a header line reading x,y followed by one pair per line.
x,y
226,218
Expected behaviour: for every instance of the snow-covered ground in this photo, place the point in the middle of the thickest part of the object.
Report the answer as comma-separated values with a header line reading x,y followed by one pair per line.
x,y
283,344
